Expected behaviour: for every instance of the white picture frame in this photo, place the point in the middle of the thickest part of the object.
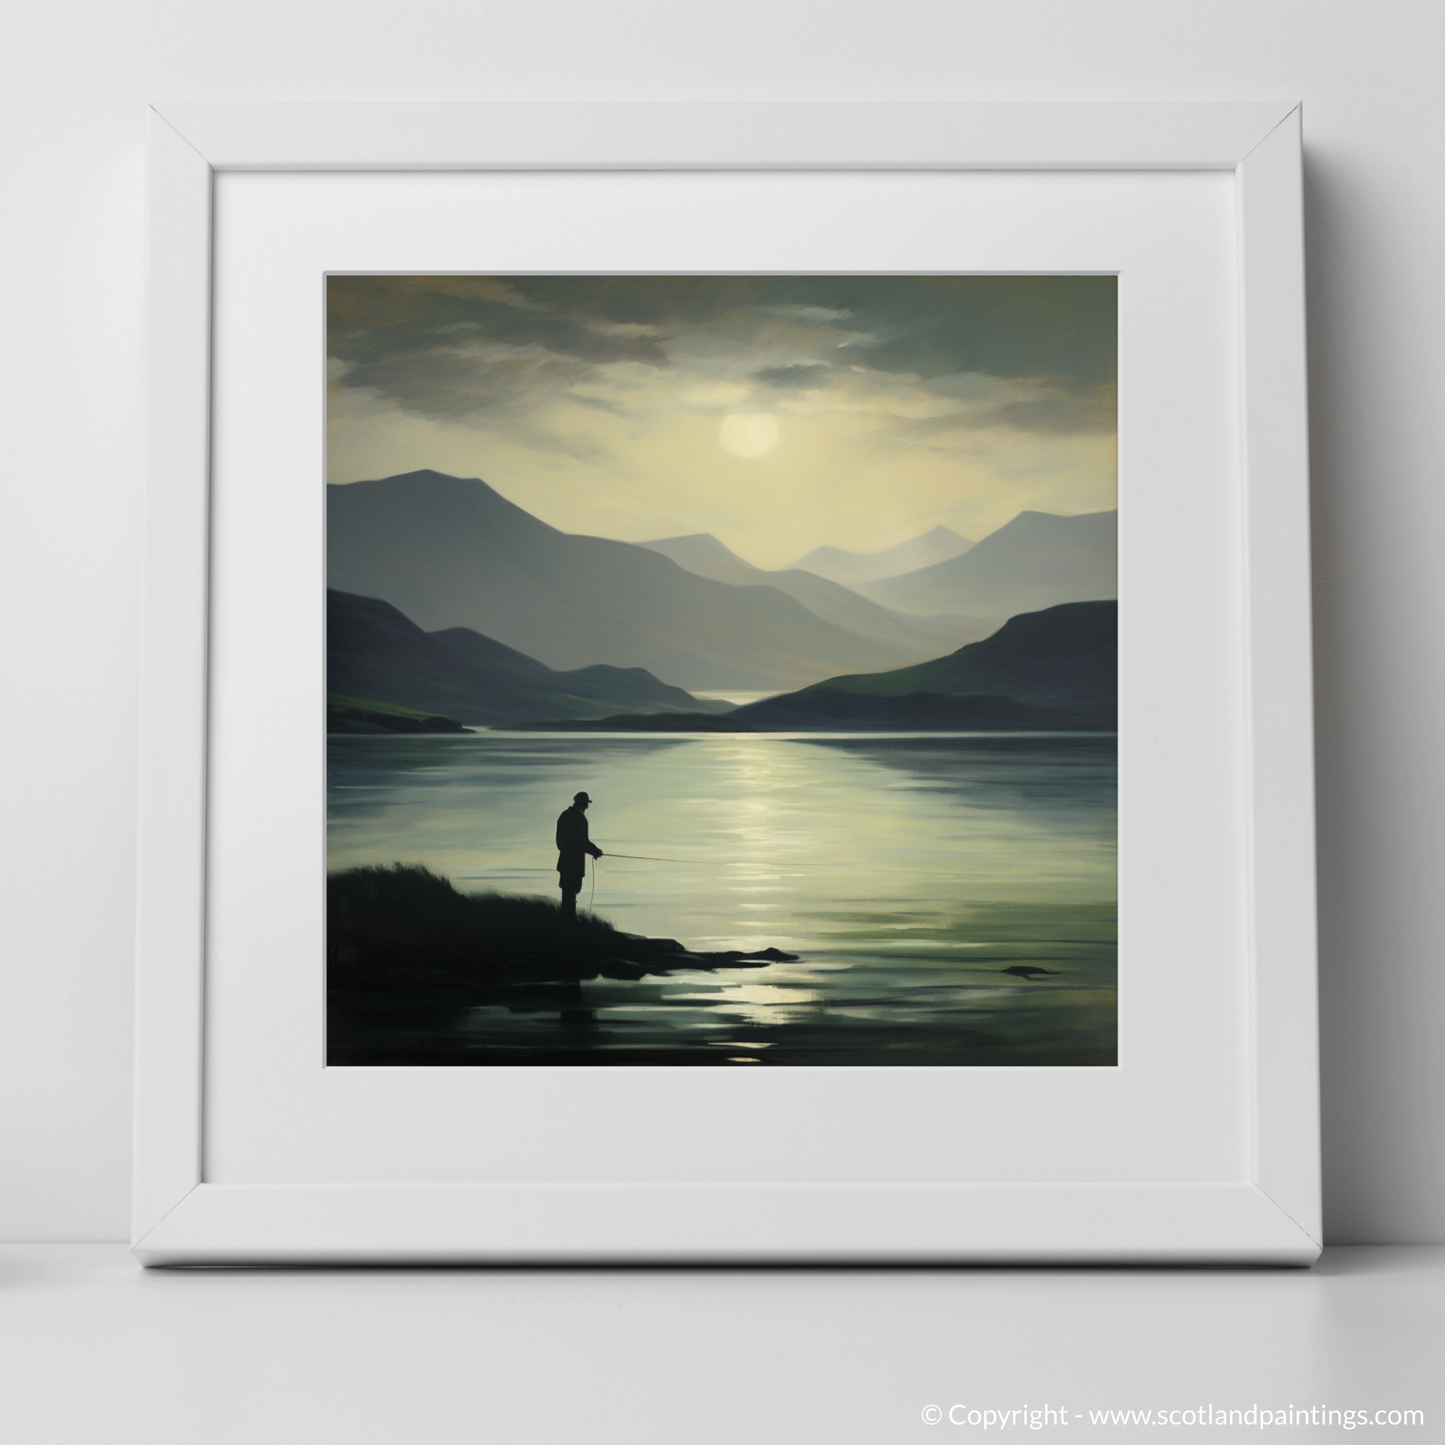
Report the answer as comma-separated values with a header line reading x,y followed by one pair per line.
x,y
1268,1214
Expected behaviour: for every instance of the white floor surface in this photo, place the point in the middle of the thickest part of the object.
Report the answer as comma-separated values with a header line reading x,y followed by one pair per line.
x,y
95,1350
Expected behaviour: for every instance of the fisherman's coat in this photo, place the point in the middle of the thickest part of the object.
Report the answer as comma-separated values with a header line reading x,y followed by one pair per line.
x,y
573,844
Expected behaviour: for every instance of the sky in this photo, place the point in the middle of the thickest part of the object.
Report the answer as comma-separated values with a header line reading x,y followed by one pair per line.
x,y
779,413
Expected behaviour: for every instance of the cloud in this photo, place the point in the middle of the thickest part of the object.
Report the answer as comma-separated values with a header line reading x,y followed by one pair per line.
x,y
809,313
935,355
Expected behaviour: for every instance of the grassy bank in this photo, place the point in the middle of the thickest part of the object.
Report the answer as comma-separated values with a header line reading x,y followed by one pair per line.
x,y
354,715
402,924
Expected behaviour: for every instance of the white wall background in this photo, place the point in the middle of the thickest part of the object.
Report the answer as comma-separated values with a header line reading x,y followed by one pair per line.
x,y
77,77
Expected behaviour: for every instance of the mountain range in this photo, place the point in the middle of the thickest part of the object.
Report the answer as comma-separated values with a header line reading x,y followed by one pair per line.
x,y
452,552
376,655
449,599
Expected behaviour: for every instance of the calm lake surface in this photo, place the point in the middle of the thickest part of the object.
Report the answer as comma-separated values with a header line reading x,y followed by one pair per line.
x,y
908,872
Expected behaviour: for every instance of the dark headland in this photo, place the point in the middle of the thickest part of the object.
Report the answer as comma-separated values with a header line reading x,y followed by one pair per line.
x,y
380,661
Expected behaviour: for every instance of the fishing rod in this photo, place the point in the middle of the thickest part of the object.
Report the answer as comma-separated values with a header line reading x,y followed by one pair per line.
x,y
726,862
632,858
643,858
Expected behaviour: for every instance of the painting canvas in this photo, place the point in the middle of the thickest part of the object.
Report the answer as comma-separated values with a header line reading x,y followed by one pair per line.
x,y
721,670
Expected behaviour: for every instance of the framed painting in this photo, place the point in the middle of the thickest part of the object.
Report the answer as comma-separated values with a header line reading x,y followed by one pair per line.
x,y
858,801
810,608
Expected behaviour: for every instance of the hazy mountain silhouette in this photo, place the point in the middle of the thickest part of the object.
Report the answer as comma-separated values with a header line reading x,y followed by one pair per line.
x,y
821,711
702,554
1038,560
705,556
450,552
1052,669
851,568
375,654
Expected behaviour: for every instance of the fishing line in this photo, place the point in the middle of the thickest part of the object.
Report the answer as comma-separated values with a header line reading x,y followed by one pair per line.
x,y
725,862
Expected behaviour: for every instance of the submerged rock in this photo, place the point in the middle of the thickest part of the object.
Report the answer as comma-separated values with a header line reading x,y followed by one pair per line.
x,y
1029,972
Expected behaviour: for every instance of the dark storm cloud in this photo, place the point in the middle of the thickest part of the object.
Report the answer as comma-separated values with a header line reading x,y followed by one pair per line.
x,y
459,346
664,302
1005,326
377,316
456,382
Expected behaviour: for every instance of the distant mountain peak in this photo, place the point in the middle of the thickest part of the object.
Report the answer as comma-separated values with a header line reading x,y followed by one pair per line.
x,y
410,492
1037,560
421,475
939,533
1030,516
698,541
701,552
851,568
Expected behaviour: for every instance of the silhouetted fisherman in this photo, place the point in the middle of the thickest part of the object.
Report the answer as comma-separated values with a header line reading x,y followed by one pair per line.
x,y
573,845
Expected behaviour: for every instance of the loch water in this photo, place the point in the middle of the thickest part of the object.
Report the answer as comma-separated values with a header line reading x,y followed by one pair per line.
x,y
951,898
